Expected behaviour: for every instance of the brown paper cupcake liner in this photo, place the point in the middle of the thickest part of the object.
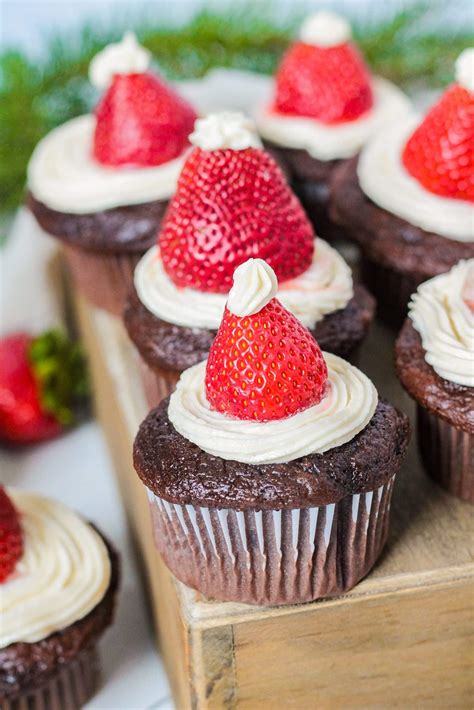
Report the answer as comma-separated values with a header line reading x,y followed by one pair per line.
x,y
104,279
273,556
157,383
391,288
70,689
447,454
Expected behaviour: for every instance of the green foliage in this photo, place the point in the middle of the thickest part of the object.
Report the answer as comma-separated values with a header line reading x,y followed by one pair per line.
x,y
36,97
60,368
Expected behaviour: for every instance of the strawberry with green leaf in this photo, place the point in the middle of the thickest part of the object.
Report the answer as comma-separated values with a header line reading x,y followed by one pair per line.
x,y
42,380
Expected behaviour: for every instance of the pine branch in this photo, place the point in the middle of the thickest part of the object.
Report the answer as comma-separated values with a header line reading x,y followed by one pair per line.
x,y
36,97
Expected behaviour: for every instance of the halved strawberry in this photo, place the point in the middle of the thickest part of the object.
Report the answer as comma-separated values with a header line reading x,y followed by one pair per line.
x,y
440,153
40,380
264,366
330,84
231,205
141,121
11,536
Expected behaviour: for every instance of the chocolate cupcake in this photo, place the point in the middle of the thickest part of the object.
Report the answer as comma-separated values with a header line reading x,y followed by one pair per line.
x,y
232,202
270,469
407,200
435,364
58,582
101,184
323,107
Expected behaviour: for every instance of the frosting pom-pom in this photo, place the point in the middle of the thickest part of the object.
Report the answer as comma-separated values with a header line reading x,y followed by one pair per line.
x,y
124,57
325,29
228,129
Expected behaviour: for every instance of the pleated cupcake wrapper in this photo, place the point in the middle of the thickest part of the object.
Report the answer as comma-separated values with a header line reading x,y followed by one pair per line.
x,y
447,454
105,280
73,685
391,288
273,557
157,383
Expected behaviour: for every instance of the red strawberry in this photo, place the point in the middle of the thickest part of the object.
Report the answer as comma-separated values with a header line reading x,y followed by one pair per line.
x,y
231,205
329,84
264,366
40,378
11,537
141,121
440,152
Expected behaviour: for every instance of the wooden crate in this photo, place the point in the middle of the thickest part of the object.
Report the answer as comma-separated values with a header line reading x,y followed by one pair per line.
x,y
403,638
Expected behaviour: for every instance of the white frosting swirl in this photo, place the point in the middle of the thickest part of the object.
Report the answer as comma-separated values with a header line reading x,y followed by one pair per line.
x,y
227,129
325,29
446,323
63,574
124,57
255,284
464,69
385,180
341,140
63,174
345,410
324,288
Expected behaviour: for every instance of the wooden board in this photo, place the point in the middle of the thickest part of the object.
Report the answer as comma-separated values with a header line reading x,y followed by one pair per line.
x,y
403,638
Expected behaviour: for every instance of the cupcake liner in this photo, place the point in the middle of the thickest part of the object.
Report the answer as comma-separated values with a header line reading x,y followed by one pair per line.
x,y
273,556
104,279
70,689
391,288
157,383
447,454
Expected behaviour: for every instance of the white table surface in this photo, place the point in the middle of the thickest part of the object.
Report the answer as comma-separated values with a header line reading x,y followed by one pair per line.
x,y
76,468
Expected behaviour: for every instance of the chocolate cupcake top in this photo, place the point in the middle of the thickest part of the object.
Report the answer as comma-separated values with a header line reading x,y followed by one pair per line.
x,y
130,152
422,171
179,471
267,417
312,108
62,571
389,239
435,350
164,345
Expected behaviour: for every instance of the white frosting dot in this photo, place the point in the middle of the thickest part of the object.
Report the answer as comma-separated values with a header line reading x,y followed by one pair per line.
x,y
325,29
465,69
124,57
227,129
255,284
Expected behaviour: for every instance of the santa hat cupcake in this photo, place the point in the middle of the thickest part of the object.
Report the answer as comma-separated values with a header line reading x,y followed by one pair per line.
x,y
58,582
101,183
409,200
324,106
434,357
140,120
232,203
270,469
